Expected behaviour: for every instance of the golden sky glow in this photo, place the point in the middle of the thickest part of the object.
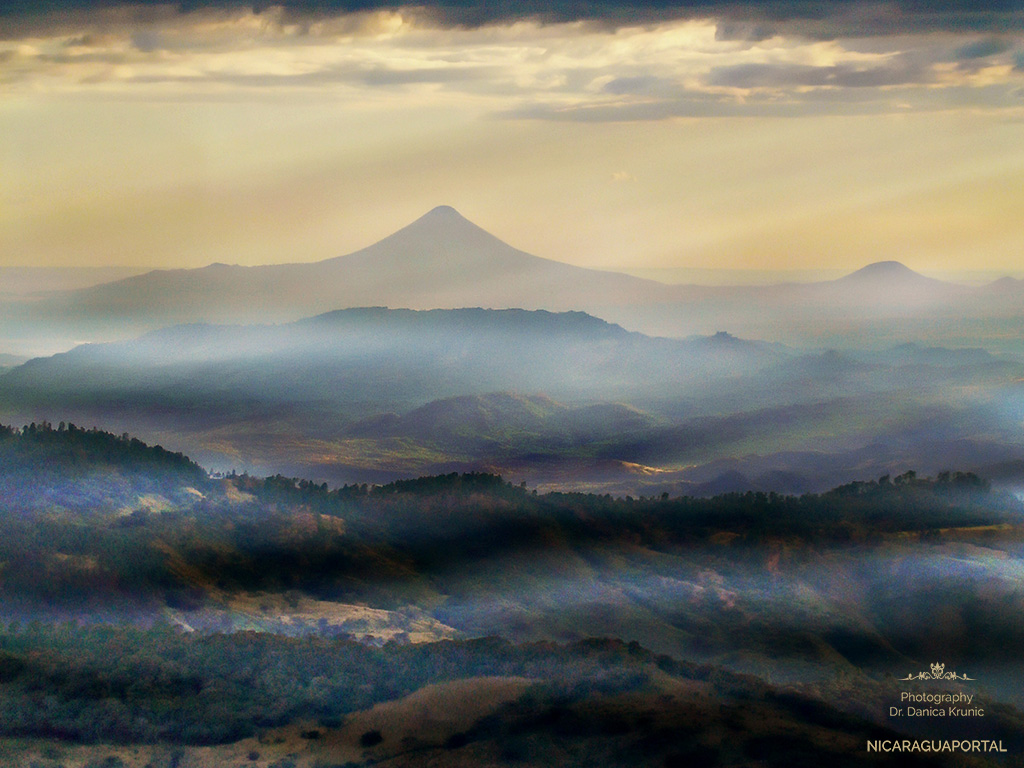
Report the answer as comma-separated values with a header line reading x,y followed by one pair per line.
x,y
164,139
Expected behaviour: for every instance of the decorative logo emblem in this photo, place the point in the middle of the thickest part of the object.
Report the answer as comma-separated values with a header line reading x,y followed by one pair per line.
x,y
938,672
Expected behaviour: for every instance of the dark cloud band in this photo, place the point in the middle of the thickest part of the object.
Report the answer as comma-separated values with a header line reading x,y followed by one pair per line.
x,y
748,20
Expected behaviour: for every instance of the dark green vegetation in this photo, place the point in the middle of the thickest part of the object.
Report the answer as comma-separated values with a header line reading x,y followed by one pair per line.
x,y
846,578
130,584
42,466
598,702
128,685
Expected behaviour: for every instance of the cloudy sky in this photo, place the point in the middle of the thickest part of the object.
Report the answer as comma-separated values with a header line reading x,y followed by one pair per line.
x,y
786,135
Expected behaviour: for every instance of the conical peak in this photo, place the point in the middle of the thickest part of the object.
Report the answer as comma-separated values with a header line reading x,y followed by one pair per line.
x,y
884,269
443,224
439,240
443,215
887,274
443,218
443,210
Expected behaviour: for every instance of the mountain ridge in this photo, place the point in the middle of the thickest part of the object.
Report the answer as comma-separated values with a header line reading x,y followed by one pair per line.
x,y
444,261
443,228
440,260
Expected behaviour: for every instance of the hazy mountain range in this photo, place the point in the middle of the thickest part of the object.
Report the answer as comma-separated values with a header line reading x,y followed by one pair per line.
x,y
564,399
444,261
529,376
380,358
503,361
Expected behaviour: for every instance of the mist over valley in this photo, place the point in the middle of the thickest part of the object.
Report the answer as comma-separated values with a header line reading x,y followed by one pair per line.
x,y
517,385
561,376
573,497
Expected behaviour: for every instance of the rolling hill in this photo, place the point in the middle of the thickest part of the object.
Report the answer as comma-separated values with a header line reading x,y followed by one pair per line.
x,y
361,361
565,399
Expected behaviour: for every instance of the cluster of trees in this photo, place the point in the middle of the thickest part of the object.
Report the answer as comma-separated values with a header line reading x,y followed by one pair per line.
x,y
287,536
70,447
481,555
79,536
42,466
388,545
121,684
595,702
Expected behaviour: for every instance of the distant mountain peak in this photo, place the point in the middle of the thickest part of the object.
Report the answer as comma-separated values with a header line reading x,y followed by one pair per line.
x,y
443,211
1006,283
441,226
884,269
887,277
443,217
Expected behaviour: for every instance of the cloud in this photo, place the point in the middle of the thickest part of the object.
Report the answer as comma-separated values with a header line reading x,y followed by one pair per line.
x,y
640,84
839,75
767,59
979,49
757,20
813,102
752,31
697,105
347,75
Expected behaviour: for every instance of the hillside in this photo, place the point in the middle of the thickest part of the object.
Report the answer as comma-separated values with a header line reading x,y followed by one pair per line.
x,y
10,361
279,621
471,555
504,419
565,400
364,361
89,470
595,703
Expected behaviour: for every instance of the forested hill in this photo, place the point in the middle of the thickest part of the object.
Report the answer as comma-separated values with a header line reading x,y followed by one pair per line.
x,y
104,529
79,468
